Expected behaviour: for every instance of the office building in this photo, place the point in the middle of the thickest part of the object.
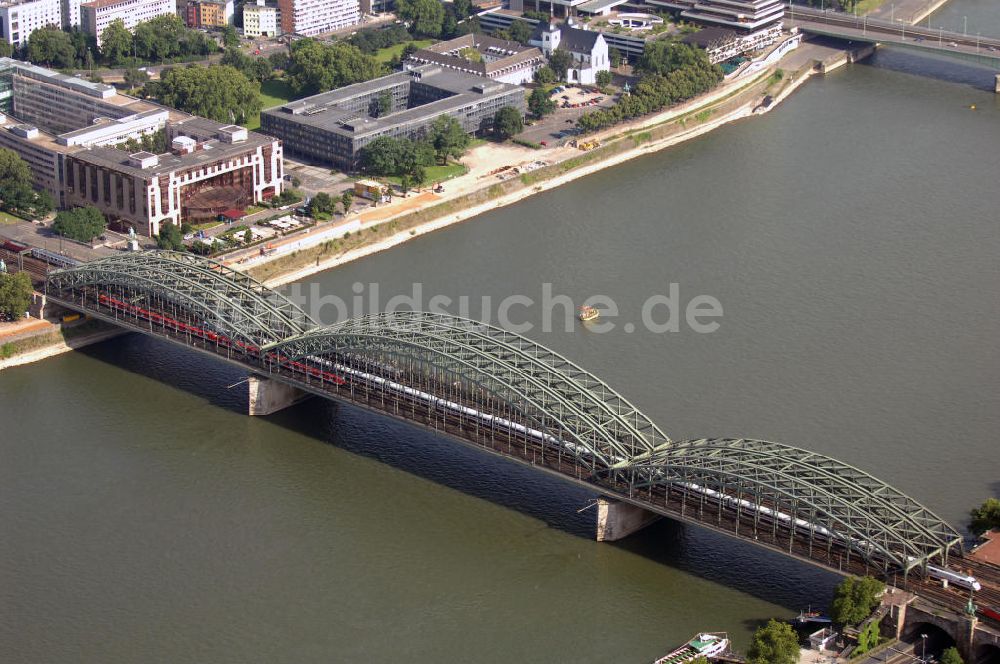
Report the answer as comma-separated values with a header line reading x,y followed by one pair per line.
x,y
18,19
259,20
315,17
97,15
334,126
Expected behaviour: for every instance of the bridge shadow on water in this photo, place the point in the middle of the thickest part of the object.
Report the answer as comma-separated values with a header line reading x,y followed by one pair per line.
x,y
761,573
941,68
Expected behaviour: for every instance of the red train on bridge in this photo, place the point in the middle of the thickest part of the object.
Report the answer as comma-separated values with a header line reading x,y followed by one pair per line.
x,y
216,337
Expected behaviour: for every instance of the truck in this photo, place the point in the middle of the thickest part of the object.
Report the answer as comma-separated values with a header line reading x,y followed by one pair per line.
x,y
371,190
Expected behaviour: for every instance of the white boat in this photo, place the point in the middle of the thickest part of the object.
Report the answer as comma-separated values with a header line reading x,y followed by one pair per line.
x,y
704,644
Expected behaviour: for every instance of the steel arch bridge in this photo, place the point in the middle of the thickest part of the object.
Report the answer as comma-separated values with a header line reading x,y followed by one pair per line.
x,y
507,394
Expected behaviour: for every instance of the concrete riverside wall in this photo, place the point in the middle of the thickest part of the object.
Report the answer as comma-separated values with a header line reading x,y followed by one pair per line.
x,y
269,396
616,520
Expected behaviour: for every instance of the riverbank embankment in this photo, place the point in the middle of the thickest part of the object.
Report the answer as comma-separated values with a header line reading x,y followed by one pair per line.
x,y
758,93
47,339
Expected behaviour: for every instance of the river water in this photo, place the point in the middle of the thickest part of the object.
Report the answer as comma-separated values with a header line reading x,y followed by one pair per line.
x,y
851,239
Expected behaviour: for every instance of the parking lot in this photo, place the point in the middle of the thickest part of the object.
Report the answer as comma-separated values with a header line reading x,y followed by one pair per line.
x,y
563,119
314,178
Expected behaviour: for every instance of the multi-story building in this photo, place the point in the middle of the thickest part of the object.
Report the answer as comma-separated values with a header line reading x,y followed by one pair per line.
x,y
208,13
19,18
333,127
97,15
497,59
314,17
210,168
259,20
754,24
69,132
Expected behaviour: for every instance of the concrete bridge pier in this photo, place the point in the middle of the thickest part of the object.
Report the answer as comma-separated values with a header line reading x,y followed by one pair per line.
x,y
996,85
268,396
617,520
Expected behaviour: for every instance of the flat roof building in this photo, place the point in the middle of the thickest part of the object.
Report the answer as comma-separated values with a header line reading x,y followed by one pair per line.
x,y
259,20
315,17
333,127
19,18
69,131
97,15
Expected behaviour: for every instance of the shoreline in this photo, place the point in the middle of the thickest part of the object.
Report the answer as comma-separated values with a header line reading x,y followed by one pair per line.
x,y
58,347
745,110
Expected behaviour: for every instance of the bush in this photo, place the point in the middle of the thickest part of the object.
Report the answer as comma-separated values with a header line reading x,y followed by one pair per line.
x,y
986,516
15,295
170,238
82,224
774,643
855,599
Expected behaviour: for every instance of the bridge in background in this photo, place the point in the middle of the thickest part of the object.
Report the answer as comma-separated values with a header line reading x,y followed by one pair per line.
x,y
979,49
508,395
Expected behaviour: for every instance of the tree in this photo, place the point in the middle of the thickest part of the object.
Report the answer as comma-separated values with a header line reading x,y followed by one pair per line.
x,y
6,49
15,295
217,92
855,598
230,38
868,638
603,79
540,103
15,188
545,75
316,67
322,203
278,60
507,122
520,31
663,57
134,77
448,138
170,237
986,516
560,60
116,43
615,57
381,105
160,38
346,199
951,656
51,46
425,16
82,224
462,8
774,643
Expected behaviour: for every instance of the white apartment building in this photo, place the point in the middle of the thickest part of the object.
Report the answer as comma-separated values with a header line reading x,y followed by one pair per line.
x,y
97,15
259,20
19,18
314,17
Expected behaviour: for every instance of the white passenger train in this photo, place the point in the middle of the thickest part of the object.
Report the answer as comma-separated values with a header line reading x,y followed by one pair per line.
x,y
944,574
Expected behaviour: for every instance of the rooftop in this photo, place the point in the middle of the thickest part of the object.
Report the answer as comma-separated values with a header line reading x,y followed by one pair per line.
x,y
989,550
489,53
323,110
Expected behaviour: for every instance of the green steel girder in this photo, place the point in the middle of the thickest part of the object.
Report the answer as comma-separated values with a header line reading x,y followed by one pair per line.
x,y
858,507
549,392
590,412
237,304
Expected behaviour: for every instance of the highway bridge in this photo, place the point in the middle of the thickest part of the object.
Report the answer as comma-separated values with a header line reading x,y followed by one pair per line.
x,y
981,49
507,395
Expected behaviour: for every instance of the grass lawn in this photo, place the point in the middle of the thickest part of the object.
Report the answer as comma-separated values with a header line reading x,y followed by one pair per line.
x,y
385,54
437,174
6,218
205,226
272,93
868,6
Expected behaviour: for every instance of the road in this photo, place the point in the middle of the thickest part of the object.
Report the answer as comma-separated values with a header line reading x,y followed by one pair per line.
x,y
869,29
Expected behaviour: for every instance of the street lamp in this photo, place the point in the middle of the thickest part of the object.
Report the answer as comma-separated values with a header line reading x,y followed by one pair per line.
x,y
965,26
923,647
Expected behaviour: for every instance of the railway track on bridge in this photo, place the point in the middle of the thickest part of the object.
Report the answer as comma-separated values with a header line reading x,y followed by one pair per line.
x,y
501,393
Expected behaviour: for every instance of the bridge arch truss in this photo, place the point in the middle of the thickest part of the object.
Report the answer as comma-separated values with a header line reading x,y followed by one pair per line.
x,y
499,389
